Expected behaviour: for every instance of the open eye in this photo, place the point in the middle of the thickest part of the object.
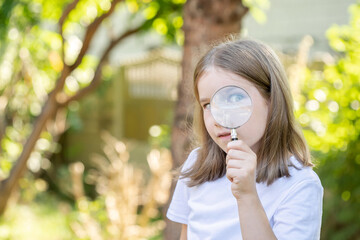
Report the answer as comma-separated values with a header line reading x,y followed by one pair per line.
x,y
236,97
206,106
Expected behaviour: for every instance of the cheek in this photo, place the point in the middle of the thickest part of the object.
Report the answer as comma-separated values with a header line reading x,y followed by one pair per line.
x,y
205,118
257,122
208,120
260,119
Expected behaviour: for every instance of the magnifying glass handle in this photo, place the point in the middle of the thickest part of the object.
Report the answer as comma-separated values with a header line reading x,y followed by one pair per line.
x,y
233,135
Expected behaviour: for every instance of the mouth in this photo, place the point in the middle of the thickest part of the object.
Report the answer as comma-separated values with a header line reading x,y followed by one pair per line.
x,y
224,135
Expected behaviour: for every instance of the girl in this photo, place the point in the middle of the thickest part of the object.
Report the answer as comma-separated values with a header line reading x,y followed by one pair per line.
x,y
261,186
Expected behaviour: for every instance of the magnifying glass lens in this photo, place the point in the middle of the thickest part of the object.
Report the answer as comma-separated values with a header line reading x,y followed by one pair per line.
x,y
231,107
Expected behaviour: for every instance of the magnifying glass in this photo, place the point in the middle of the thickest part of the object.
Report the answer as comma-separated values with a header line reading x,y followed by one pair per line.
x,y
231,107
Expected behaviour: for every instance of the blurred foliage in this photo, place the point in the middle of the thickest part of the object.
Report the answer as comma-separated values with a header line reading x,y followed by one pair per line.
x,y
37,214
31,60
14,12
257,9
329,112
159,136
33,55
42,220
169,16
127,207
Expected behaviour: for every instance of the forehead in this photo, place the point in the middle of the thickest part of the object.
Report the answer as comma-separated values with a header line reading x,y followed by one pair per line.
x,y
214,78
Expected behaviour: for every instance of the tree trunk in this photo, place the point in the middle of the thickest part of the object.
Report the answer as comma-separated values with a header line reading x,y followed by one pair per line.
x,y
205,22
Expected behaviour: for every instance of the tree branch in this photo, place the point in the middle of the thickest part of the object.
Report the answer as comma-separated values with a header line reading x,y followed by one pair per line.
x,y
64,15
66,12
54,102
49,109
97,76
90,31
7,185
87,40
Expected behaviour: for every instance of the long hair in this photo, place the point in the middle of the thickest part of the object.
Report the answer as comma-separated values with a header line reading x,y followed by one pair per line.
x,y
283,138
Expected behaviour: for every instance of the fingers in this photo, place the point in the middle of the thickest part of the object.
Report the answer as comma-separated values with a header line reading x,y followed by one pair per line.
x,y
238,145
239,150
240,172
240,162
234,175
236,154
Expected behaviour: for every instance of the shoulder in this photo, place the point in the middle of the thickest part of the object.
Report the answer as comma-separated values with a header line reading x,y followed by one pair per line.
x,y
299,173
303,184
296,203
302,179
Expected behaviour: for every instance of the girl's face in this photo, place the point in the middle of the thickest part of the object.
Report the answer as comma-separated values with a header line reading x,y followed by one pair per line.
x,y
252,131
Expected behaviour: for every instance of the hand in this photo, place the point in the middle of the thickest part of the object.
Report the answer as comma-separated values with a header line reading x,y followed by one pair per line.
x,y
241,168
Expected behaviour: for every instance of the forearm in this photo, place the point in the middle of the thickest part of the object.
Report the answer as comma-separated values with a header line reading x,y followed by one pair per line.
x,y
183,235
253,220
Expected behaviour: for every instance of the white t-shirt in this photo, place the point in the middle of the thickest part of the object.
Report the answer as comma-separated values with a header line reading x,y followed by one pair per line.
x,y
293,206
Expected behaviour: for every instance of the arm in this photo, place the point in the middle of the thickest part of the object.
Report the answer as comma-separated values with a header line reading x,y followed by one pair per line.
x,y
241,171
253,220
179,209
183,235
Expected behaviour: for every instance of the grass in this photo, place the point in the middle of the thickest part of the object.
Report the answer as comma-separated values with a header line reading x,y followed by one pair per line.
x,y
43,220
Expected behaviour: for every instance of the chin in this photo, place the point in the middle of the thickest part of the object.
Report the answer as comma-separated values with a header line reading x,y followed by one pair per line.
x,y
224,148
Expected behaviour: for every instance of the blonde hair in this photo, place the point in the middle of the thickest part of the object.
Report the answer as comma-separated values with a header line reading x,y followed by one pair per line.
x,y
257,63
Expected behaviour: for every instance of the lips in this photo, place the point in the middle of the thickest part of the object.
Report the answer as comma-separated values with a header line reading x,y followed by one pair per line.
x,y
225,134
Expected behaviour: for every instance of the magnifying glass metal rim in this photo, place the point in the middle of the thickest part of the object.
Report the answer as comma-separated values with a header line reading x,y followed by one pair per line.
x,y
233,132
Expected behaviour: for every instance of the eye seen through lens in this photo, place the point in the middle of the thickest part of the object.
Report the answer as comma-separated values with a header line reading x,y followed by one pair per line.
x,y
231,106
235,98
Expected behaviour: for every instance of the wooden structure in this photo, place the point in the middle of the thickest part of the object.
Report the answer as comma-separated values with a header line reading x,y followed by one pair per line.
x,y
142,94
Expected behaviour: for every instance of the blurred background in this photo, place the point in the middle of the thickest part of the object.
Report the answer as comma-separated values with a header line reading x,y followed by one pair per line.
x,y
96,107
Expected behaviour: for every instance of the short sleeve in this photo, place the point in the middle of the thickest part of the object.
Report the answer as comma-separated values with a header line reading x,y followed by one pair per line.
x,y
179,209
299,214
